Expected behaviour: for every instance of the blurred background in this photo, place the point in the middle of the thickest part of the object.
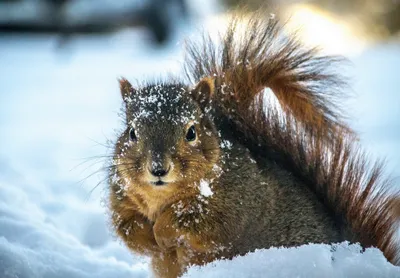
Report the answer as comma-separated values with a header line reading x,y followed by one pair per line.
x,y
378,19
59,105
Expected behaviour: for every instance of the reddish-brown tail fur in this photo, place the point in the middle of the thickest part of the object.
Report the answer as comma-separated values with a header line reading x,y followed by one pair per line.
x,y
308,135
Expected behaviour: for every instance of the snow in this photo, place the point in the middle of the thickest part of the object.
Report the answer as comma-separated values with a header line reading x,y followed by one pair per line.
x,y
226,144
58,107
34,243
307,261
205,189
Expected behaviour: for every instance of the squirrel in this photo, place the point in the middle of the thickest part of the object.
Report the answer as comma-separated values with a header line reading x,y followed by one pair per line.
x,y
215,170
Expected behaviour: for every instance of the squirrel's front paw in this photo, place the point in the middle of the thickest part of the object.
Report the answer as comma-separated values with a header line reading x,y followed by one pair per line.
x,y
169,235
165,232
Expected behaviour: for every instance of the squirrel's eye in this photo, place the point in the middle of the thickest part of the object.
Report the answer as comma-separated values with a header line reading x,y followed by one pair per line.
x,y
191,134
132,134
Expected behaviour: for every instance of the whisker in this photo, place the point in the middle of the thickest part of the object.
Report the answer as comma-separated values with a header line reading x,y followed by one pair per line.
x,y
109,176
92,190
96,159
108,143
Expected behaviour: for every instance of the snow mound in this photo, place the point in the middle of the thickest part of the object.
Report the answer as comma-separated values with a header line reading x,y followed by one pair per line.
x,y
307,261
32,246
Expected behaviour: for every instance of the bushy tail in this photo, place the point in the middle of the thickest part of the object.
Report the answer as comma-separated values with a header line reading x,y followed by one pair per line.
x,y
308,135
255,53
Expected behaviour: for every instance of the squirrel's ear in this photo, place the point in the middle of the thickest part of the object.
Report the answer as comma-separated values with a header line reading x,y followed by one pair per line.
x,y
204,91
126,88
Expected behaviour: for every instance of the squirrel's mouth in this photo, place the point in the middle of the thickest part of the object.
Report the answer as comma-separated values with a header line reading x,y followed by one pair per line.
x,y
159,183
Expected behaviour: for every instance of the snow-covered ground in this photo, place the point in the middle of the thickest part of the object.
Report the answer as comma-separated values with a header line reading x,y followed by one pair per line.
x,y
57,109
307,261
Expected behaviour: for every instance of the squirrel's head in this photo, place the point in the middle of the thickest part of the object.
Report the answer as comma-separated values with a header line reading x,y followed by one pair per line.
x,y
168,138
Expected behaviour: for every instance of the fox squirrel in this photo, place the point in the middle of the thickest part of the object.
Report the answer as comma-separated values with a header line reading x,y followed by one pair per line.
x,y
216,170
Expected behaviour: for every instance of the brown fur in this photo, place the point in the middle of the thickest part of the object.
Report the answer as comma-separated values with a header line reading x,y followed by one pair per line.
x,y
276,179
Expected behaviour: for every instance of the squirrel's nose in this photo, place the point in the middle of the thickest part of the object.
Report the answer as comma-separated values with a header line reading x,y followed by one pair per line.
x,y
159,172
159,165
